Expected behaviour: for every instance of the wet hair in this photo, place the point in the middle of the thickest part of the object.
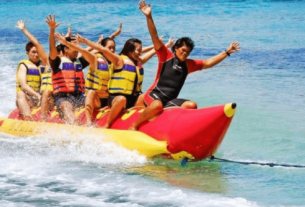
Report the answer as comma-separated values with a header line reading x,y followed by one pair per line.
x,y
29,46
129,46
186,40
106,40
62,47
58,48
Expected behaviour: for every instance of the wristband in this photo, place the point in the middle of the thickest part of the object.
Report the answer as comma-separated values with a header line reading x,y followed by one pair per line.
x,y
228,54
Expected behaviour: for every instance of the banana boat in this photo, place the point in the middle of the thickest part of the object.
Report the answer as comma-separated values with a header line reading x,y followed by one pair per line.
x,y
176,133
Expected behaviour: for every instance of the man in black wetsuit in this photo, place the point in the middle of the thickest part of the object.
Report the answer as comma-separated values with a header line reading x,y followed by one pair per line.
x,y
173,69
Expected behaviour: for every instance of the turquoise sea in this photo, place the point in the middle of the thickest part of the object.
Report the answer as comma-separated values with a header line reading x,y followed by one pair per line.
x,y
266,79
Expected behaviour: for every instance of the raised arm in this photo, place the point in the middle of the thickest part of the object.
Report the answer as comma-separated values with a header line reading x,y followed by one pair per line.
x,y
145,57
99,41
42,54
234,47
114,58
116,33
52,25
91,58
69,33
148,48
146,10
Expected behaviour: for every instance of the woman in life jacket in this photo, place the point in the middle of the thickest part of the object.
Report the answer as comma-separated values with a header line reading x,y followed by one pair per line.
x,y
97,83
96,87
126,80
31,81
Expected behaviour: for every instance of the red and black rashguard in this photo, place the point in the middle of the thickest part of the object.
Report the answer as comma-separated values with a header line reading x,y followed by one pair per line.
x,y
170,78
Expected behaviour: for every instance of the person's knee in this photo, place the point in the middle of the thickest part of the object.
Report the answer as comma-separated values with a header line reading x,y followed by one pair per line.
x,y
46,94
157,106
90,94
120,100
189,105
21,96
66,106
140,100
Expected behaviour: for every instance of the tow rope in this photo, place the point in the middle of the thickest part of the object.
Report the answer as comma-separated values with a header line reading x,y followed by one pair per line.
x,y
215,159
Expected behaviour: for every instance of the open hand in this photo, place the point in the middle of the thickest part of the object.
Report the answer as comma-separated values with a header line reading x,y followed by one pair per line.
x,y
20,25
234,47
100,39
38,98
80,39
170,42
60,38
69,33
51,22
145,8
161,38
118,32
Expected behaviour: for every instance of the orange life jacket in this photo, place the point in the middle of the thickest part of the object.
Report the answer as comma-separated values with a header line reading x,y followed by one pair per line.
x,y
70,78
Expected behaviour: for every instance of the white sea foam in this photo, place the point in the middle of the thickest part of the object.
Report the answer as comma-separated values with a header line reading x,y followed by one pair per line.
x,y
87,172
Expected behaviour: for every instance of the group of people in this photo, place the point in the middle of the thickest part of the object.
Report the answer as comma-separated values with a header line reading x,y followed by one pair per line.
x,y
113,80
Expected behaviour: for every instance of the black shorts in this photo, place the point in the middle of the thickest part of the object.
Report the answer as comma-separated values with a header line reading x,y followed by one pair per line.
x,y
104,102
76,99
166,101
131,99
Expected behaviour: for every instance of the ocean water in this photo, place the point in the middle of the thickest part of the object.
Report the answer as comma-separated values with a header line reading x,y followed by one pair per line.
x,y
266,79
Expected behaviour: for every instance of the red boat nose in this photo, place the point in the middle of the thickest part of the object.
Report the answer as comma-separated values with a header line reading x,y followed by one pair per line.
x,y
200,132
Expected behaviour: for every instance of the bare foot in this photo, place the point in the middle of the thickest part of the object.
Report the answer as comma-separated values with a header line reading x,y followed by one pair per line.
x,y
106,126
88,124
132,128
27,118
43,119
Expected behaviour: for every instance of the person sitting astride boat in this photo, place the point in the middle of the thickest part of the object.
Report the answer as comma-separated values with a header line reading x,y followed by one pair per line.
x,y
47,100
96,90
28,78
173,69
125,83
67,75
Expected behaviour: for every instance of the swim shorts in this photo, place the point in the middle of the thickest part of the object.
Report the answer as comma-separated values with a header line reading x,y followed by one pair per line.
x,y
131,99
76,99
166,102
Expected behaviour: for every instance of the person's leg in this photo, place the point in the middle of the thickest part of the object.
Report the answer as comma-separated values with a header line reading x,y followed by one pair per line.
x,y
183,103
67,109
118,104
140,100
189,105
154,108
51,102
23,106
47,104
92,102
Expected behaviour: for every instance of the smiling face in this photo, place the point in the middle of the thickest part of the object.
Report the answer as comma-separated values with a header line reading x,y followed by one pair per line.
x,y
70,53
135,55
182,52
33,55
110,45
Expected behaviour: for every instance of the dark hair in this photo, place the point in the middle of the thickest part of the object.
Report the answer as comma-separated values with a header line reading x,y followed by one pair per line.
x,y
58,48
29,46
106,40
129,46
62,47
186,40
